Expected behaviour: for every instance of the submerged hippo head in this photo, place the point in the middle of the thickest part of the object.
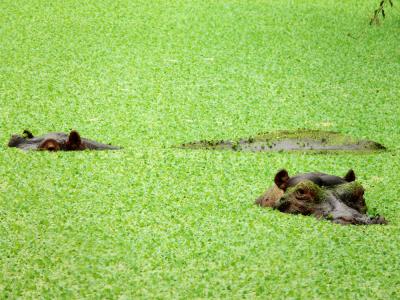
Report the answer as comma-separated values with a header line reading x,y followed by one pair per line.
x,y
338,199
56,141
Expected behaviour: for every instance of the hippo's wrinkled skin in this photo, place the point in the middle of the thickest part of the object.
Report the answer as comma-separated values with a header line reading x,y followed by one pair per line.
x,y
56,141
338,199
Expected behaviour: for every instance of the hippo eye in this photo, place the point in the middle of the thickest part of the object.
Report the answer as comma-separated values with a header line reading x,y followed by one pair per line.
x,y
301,191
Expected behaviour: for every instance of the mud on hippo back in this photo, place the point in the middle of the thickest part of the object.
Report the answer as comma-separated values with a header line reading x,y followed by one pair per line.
x,y
56,141
339,199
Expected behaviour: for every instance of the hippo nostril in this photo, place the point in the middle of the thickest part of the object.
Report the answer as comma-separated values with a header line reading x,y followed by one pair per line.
x,y
378,220
366,220
283,205
344,220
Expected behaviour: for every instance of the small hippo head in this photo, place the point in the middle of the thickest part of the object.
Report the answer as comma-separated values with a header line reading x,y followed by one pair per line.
x,y
72,143
339,199
56,141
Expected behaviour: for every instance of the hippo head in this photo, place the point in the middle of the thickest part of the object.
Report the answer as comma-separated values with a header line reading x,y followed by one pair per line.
x,y
339,199
56,141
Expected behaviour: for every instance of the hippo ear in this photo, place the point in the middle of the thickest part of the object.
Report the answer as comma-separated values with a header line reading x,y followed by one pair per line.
x,y
74,141
27,134
350,176
282,179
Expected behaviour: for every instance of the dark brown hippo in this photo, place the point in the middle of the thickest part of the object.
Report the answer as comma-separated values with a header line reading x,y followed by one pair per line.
x,y
339,199
56,141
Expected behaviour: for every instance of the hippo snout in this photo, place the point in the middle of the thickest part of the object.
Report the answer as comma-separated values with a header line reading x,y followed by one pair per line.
x,y
15,140
378,220
359,220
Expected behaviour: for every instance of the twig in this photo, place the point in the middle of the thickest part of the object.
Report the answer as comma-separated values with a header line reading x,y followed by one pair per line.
x,y
380,11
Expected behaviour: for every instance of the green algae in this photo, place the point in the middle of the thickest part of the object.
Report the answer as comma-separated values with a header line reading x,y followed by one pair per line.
x,y
151,222
348,187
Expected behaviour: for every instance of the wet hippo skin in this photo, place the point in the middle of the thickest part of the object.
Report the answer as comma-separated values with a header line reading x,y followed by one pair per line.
x,y
56,141
339,199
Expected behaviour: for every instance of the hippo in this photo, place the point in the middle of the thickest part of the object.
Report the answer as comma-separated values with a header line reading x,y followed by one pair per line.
x,y
56,141
338,199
